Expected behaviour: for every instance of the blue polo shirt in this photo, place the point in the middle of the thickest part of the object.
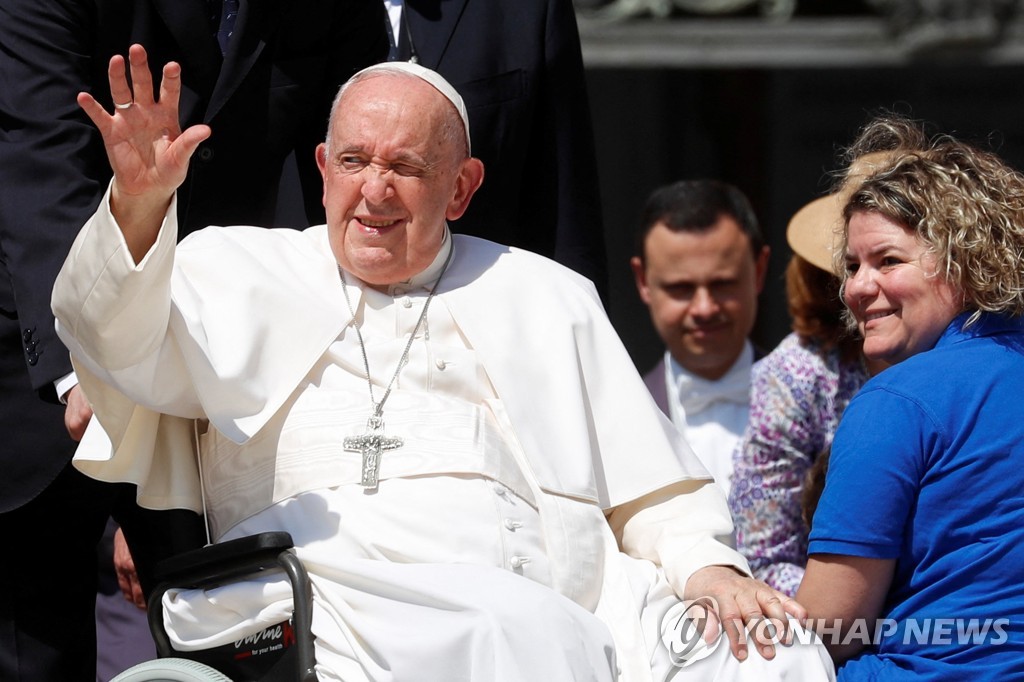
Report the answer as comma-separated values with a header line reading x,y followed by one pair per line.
x,y
927,468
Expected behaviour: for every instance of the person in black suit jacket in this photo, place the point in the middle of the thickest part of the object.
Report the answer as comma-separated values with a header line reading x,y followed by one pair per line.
x,y
266,96
518,66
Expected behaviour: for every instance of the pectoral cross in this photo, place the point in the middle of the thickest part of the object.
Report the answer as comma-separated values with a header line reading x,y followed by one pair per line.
x,y
371,444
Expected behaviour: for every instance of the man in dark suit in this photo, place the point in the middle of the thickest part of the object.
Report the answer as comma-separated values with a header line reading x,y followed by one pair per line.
x,y
518,66
264,85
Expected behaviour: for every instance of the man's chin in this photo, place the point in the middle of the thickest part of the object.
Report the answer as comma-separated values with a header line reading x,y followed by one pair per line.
x,y
373,264
709,361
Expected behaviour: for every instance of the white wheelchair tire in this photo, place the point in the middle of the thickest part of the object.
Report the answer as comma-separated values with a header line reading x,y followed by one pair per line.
x,y
171,670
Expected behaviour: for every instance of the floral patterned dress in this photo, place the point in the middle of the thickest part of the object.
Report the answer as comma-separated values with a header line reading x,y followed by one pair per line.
x,y
798,393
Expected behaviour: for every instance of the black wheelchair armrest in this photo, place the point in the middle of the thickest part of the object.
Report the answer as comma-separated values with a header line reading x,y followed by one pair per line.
x,y
225,561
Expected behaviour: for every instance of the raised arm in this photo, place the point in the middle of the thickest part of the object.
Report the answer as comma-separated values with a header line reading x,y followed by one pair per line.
x,y
147,150
119,330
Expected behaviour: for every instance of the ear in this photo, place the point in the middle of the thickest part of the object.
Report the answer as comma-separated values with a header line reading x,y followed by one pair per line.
x,y
640,276
321,157
761,267
321,163
471,176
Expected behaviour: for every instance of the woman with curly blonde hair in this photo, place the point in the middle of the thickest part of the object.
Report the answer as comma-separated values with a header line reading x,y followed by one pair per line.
x,y
918,539
799,390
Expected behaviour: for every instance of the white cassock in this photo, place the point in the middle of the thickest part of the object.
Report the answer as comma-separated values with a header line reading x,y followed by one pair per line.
x,y
485,551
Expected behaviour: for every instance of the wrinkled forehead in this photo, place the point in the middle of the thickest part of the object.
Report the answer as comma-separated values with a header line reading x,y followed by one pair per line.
x,y
385,115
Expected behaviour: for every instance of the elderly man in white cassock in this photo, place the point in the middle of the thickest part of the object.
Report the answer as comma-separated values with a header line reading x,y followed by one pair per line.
x,y
472,470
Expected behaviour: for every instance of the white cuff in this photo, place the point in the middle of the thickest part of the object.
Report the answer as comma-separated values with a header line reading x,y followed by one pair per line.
x,y
65,384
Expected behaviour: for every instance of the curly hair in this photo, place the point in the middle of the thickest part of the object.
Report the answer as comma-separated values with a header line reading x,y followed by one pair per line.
x,y
886,133
965,204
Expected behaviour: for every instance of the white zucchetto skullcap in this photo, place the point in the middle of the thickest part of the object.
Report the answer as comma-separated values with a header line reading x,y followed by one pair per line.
x,y
435,79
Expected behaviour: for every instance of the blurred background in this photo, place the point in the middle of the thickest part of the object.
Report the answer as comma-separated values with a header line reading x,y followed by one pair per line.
x,y
764,93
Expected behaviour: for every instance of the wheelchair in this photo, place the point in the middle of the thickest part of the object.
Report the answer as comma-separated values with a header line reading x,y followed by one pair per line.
x,y
280,653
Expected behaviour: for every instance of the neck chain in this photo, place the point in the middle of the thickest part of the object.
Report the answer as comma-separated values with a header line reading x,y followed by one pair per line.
x,y
373,442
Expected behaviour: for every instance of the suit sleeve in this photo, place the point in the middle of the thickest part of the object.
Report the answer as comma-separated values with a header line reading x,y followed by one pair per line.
x,y
52,165
579,240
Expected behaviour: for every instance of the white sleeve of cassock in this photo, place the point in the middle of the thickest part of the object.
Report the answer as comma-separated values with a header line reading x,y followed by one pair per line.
x,y
114,314
675,528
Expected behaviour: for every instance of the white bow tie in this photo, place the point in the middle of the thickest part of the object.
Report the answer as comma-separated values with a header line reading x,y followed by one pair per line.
x,y
696,394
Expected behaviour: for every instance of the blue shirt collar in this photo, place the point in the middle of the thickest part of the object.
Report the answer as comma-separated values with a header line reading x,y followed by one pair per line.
x,y
988,324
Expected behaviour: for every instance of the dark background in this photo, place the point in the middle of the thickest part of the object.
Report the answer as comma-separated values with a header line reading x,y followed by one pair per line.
x,y
773,132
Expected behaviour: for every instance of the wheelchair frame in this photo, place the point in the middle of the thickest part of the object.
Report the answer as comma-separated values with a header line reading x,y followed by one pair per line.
x,y
224,562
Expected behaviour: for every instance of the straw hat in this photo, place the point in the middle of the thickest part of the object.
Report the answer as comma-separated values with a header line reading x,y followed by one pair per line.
x,y
813,231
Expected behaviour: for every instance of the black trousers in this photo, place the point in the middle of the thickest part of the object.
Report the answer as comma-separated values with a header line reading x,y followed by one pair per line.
x,y
48,581
48,572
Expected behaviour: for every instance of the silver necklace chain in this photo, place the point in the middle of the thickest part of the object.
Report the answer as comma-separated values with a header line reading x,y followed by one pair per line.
x,y
378,407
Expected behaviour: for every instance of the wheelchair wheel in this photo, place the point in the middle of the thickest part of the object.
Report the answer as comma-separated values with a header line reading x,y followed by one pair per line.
x,y
171,670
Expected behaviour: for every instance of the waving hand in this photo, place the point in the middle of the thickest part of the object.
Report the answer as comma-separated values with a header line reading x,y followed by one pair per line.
x,y
147,150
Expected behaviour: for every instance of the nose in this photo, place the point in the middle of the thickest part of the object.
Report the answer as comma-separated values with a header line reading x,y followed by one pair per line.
x,y
859,285
703,304
377,184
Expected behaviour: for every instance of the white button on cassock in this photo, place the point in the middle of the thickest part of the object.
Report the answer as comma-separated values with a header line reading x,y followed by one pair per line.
x,y
518,561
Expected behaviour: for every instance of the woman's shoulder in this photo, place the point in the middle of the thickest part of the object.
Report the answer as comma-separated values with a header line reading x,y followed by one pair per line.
x,y
805,365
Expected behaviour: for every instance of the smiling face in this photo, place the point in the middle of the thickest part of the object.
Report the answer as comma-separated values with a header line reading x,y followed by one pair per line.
x,y
701,288
901,304
392,177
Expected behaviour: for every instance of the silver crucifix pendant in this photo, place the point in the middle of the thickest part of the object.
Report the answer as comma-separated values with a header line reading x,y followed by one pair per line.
x,y
371,444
